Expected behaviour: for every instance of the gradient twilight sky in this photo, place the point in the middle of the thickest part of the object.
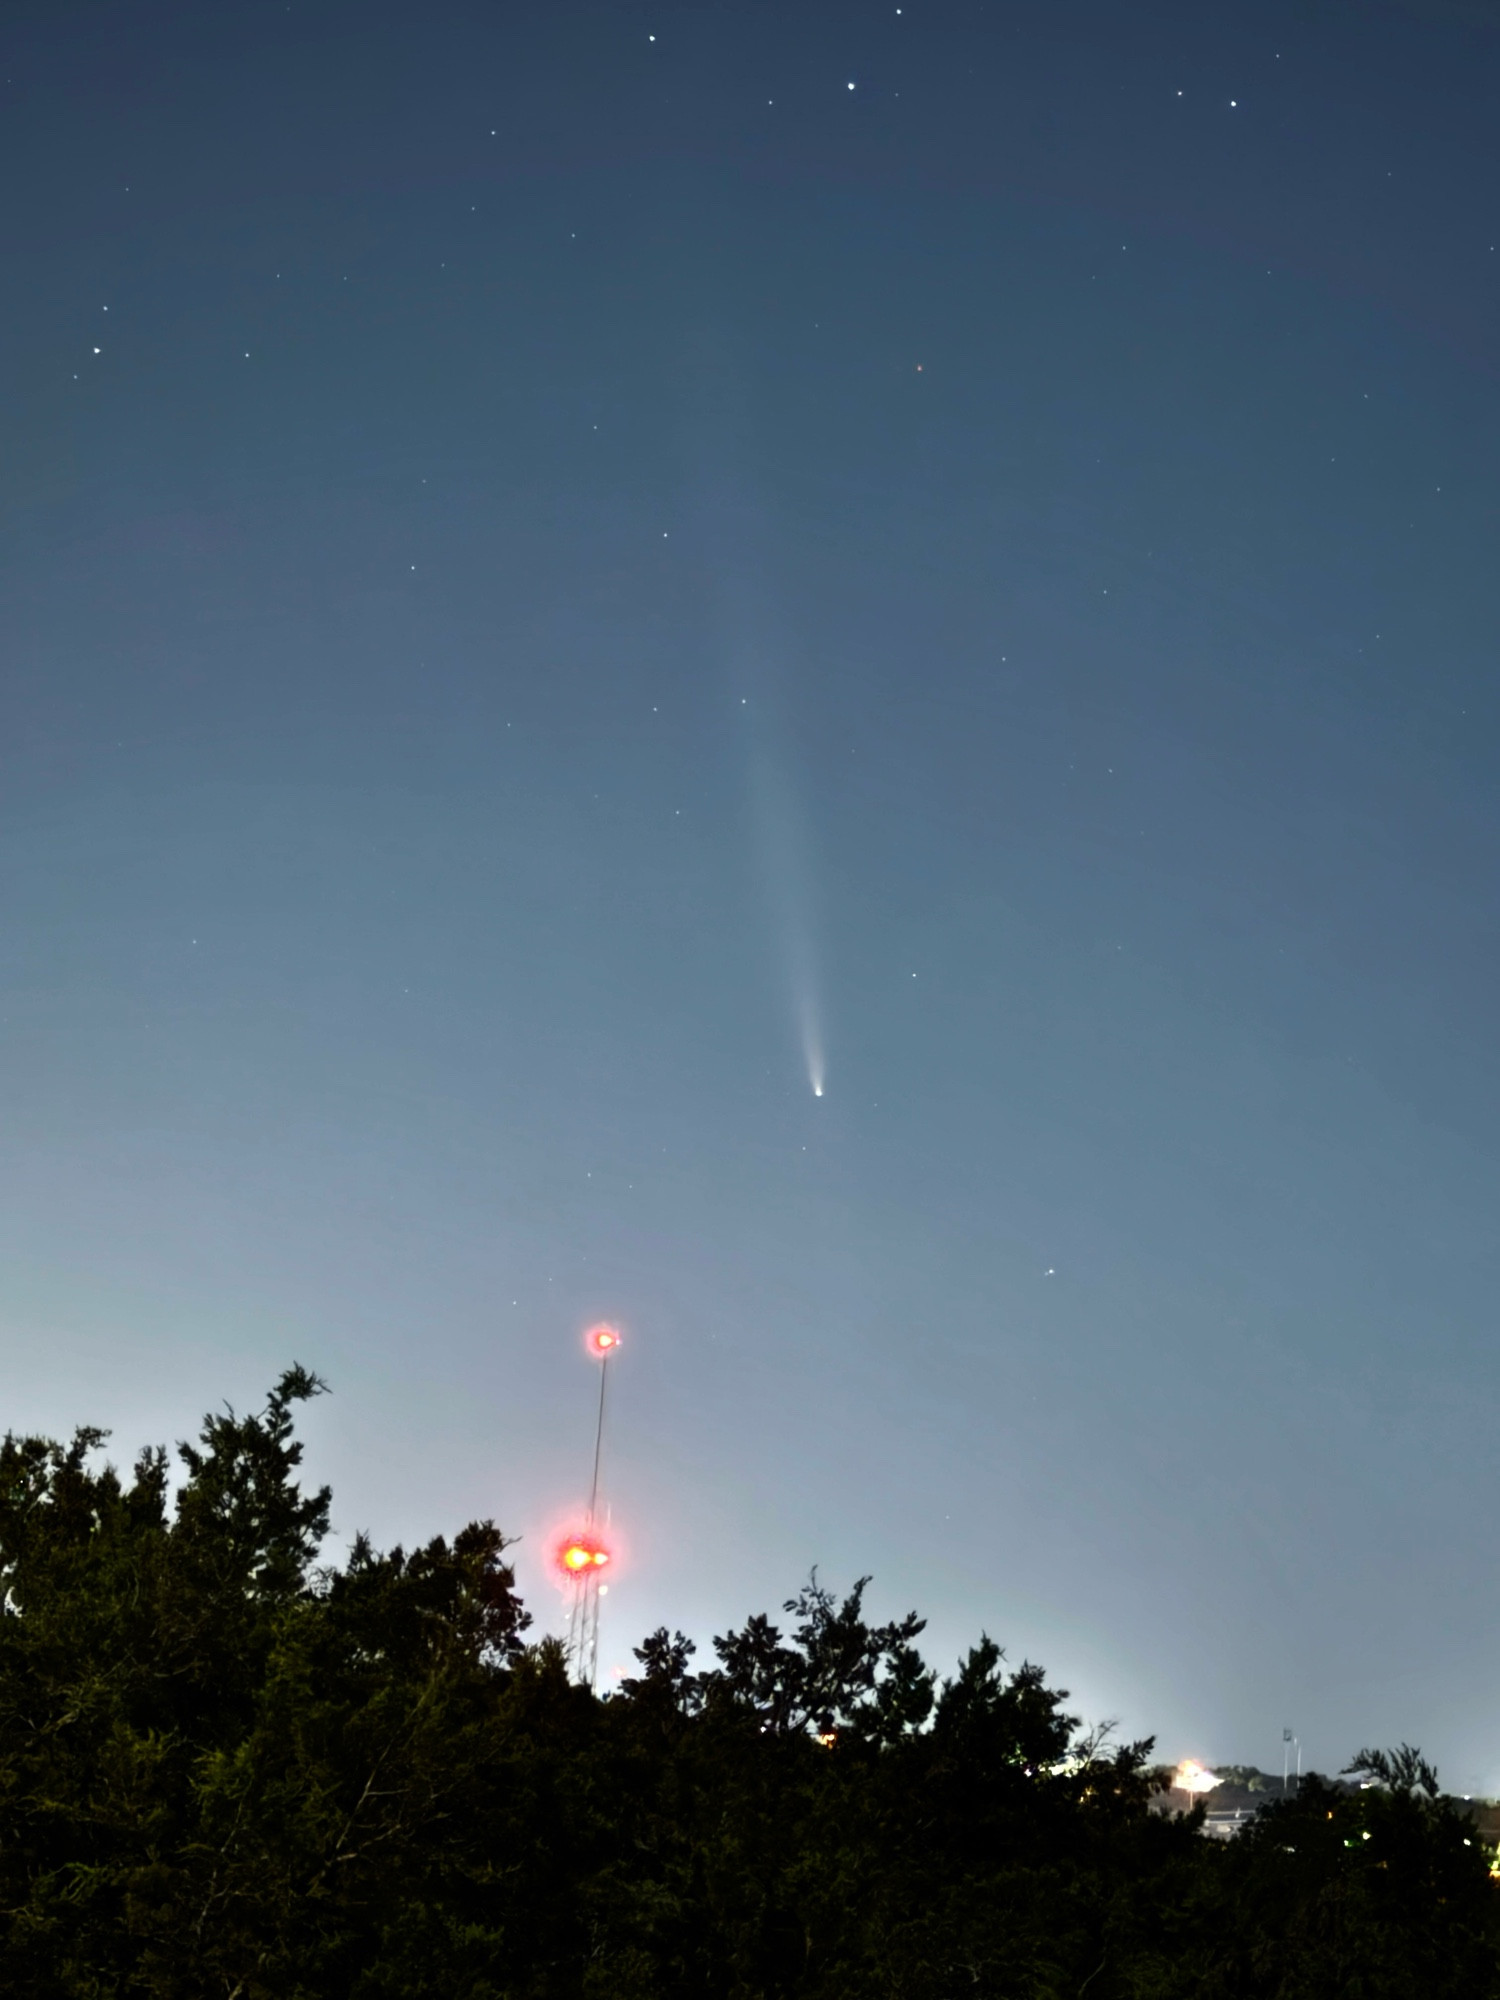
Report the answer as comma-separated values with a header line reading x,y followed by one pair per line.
x,y
563,565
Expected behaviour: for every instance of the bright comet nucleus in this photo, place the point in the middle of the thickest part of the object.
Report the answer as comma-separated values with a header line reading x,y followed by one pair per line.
x,y
812,1037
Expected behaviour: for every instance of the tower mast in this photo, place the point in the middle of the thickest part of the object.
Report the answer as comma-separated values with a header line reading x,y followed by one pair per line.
x,y
585,1555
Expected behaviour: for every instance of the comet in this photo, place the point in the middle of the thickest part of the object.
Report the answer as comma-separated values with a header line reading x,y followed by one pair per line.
x,y
783,851
812,1039
761,657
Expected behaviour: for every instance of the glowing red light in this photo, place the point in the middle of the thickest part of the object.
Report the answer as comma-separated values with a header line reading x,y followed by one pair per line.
x,y
601,1340
577,1554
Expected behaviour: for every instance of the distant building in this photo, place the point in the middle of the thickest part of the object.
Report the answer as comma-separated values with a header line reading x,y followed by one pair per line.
x,y
1233,1795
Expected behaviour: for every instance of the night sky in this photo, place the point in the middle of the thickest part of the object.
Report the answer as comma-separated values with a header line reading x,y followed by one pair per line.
x,y
569,574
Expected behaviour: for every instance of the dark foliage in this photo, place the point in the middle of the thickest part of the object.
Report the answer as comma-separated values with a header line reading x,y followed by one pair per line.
x,y
228,1771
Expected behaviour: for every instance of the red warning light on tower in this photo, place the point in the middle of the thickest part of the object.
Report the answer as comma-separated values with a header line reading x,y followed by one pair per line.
x,y
578,1555
601,1341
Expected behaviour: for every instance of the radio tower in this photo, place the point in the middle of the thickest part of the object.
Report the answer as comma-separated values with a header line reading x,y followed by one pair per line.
x,y
585,1554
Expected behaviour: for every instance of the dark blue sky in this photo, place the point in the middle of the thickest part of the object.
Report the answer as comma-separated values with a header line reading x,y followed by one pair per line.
x,y
556,583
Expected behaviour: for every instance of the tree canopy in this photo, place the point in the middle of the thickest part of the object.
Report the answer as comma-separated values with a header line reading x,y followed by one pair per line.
x,y
230,1767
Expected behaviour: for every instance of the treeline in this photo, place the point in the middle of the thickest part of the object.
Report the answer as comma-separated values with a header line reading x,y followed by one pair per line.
x,y
229,1770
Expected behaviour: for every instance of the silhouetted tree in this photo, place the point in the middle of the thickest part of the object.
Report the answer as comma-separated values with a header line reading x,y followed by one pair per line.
x,y
1400,1770
231,1768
